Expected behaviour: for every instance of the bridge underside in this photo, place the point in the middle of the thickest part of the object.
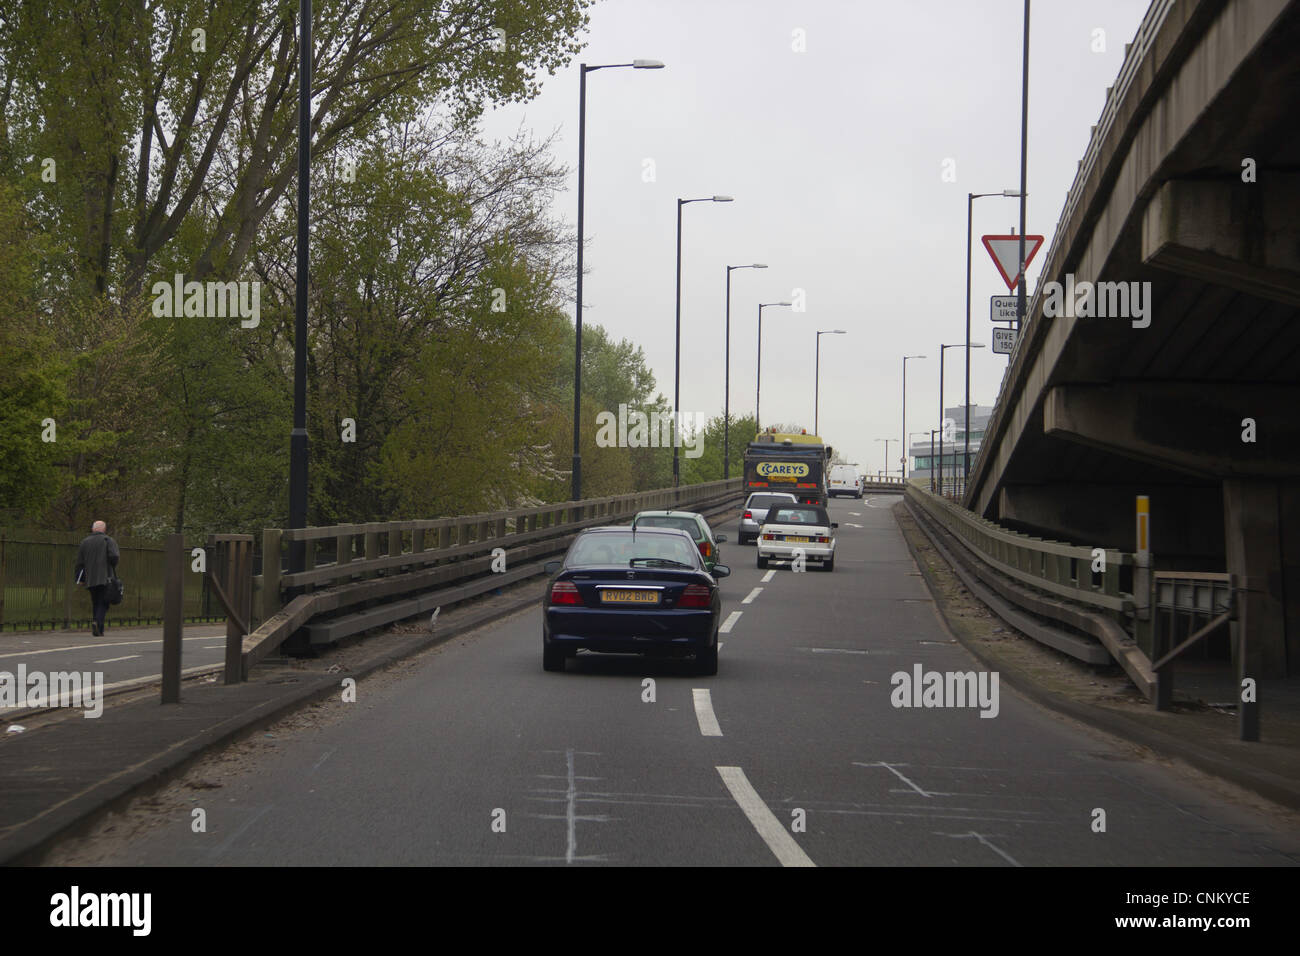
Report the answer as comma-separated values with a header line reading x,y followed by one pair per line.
x,y
1196,403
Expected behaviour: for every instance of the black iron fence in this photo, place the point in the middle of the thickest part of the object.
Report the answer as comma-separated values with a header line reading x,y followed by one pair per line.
x,y
37,589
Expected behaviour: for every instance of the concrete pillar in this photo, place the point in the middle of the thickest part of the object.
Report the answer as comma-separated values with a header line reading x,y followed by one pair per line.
x,y
1253,533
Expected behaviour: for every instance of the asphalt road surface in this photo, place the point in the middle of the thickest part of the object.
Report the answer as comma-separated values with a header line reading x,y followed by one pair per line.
x,y
477,756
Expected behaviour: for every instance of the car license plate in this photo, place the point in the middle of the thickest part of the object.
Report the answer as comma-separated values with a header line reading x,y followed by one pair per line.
x,y
627,596
794,537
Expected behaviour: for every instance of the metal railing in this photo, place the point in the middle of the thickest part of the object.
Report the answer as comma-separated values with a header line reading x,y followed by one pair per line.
x,y
37,589
1054,566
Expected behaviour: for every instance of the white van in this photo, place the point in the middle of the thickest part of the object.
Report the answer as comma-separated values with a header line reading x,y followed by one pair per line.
x,y
844,480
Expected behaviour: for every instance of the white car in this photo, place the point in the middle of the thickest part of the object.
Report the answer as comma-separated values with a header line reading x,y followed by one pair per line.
x,y
751,519
792,529
844,480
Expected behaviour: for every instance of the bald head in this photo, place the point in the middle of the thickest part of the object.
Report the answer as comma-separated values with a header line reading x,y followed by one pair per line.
x,y
98,526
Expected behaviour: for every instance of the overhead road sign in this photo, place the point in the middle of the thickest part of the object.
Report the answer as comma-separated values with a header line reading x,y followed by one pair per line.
x,y
1005,249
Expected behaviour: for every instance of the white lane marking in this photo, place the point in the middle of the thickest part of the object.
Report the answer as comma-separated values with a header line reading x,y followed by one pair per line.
x,y
852,525
316,765
569,812
752,594
83,647
982,839
856,514
704,712
113,660
899,776
832,650
768,577
730,622
787,851
721,644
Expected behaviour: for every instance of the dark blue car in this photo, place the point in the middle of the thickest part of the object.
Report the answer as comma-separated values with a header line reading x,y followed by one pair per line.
x,y
642,591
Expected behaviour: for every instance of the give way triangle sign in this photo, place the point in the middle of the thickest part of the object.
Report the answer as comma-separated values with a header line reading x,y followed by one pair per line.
x,y
1005,249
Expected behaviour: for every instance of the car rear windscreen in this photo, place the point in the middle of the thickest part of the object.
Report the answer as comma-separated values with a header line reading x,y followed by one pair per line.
x,y
618,549
762,502
797,516
689,525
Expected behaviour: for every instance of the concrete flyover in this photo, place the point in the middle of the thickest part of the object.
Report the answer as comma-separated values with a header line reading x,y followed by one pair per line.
x,y
1187,206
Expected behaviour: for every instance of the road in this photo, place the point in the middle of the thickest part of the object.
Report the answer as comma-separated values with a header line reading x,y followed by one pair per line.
x,y
474,755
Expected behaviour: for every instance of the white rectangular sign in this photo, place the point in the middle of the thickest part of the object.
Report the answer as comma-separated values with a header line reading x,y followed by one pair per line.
x,y
1004,340
1002,308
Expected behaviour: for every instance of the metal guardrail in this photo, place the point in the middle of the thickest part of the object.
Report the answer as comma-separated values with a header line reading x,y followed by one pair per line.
x,y
1055,566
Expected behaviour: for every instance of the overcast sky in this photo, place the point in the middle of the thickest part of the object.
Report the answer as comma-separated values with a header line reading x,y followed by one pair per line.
x,y
835,157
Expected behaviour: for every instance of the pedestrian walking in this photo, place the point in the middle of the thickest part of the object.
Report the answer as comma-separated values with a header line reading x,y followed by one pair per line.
x,y
97,559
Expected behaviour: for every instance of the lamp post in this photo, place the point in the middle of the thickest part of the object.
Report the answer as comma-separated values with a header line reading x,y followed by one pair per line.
x,y
905,358
758,377
583,70
886,441
817,373
726,399
298,435
941,410
970,202
677,363
933,431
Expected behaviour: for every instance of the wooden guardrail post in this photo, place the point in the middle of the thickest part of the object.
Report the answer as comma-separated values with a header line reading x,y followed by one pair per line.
x,y
270,573
372,549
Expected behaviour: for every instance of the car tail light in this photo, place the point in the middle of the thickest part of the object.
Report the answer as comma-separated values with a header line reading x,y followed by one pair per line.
x,y
821,539
705,548
565,592
695,595
769,537
749,515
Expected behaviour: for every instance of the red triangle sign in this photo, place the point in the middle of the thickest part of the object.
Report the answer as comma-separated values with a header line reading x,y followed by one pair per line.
x,y
1005,250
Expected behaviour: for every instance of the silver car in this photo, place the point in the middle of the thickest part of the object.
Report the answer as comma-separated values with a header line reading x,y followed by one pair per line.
x,y
751,519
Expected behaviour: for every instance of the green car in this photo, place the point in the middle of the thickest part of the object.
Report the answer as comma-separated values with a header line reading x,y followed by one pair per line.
x,y
690,522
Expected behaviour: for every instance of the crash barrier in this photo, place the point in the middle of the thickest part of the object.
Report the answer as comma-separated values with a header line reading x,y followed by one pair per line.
x,y
381,572
884,483
1039,570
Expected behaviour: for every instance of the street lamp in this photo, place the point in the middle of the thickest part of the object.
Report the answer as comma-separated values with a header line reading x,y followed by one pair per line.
x,y
726,400
583,70
817,377
677,366
886,441
933,432
957,345
970,202
758,377
905,358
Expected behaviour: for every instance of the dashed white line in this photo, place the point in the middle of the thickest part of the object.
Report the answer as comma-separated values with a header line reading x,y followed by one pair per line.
x,y
704,712
730,622
569,812
752,594
770,574
787,851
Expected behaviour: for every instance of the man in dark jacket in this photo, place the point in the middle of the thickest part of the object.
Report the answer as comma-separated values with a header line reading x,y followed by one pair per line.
x,y
97,555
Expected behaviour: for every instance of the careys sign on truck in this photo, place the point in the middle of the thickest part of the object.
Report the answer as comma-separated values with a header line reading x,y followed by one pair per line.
x,y
792,462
